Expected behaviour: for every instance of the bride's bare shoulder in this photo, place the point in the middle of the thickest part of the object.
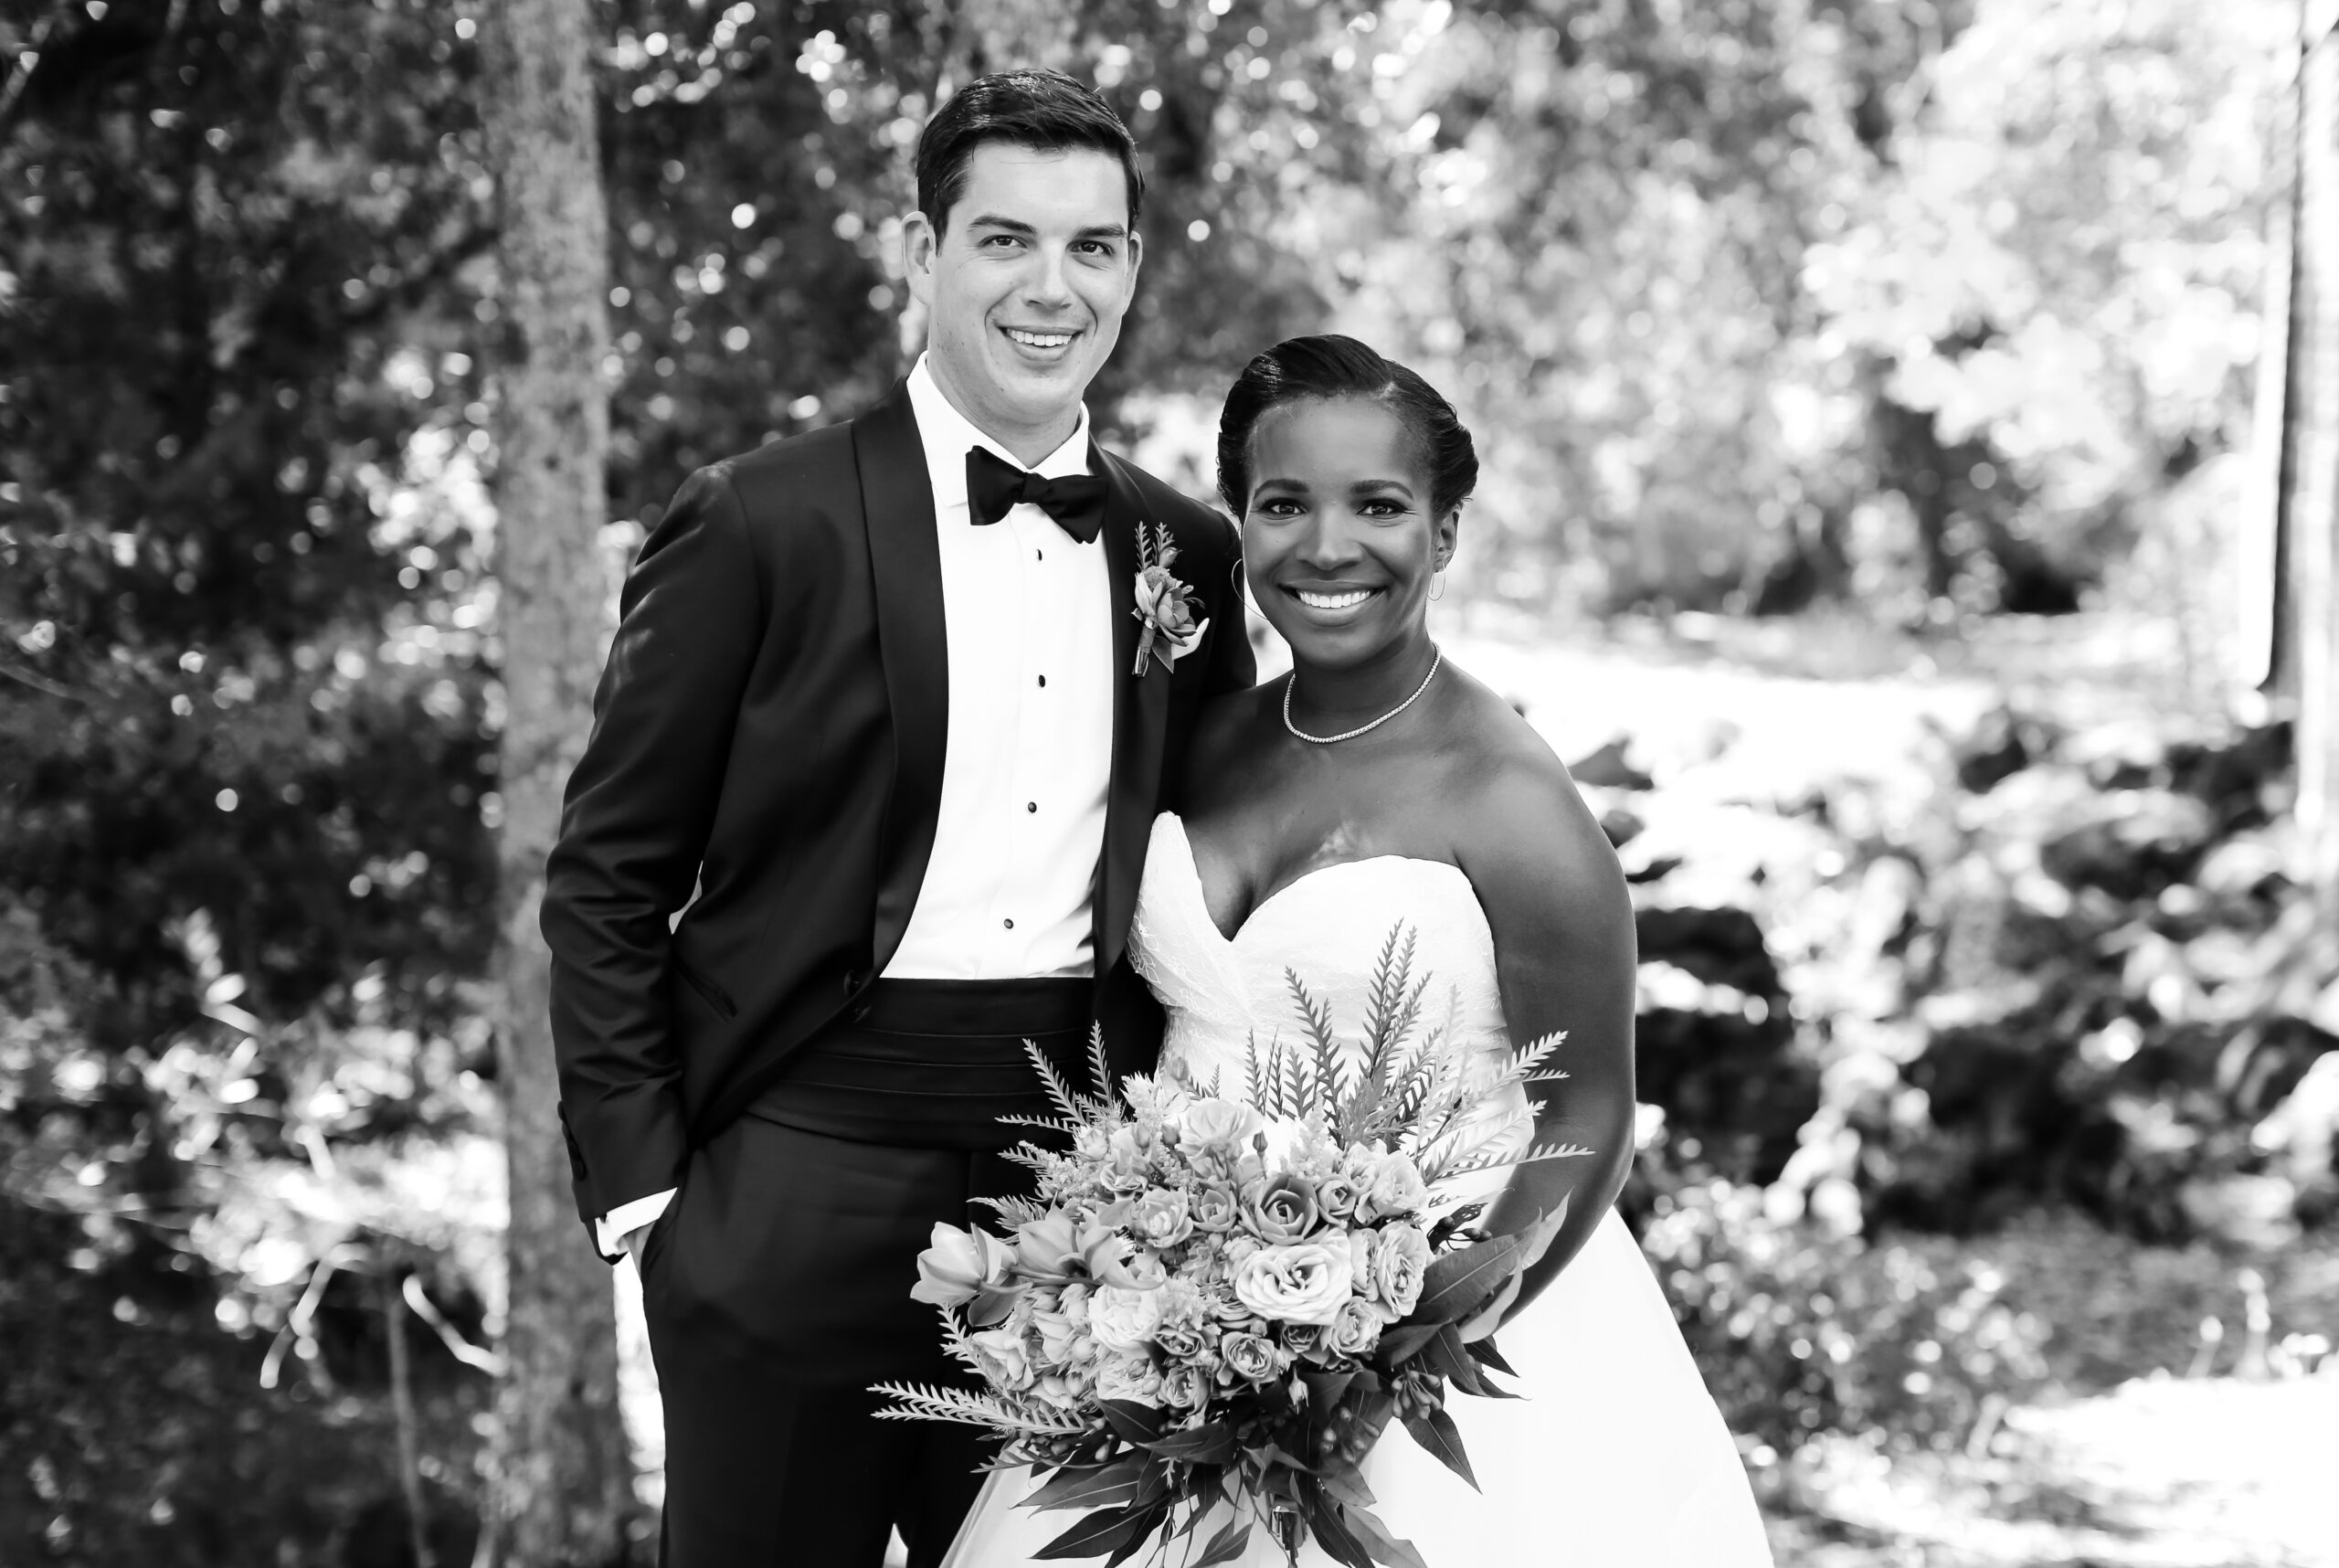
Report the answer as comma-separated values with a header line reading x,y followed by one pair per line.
x,y
1227,744
1519,802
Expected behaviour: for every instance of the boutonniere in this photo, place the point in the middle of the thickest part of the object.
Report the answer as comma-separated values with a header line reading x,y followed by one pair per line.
x,y
1165,606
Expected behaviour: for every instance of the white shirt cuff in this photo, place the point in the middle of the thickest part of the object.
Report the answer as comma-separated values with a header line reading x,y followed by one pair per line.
x,y
611,1229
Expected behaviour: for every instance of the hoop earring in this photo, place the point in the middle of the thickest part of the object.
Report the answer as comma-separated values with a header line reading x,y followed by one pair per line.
x,y
1437,584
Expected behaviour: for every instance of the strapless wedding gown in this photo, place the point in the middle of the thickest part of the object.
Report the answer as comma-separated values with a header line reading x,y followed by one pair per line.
x,y
1616,1456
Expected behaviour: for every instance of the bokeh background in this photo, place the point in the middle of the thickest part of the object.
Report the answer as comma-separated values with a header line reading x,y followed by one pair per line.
x,y
1900,422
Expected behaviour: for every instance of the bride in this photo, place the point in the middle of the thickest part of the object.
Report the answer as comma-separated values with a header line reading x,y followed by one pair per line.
x,y
1379,785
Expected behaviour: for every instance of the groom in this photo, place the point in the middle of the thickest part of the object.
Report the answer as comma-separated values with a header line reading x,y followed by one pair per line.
x,y
875,693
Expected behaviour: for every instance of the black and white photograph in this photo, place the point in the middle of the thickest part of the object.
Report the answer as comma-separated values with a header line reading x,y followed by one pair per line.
x,y
1278,783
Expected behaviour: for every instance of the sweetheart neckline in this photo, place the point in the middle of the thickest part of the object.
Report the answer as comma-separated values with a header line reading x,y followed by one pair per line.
x,y
1195,869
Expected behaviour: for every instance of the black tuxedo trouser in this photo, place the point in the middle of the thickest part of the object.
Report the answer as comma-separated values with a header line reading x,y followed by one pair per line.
x,y
777,1285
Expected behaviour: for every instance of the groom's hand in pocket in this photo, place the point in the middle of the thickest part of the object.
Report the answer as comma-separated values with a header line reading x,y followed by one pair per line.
x,y
645,1212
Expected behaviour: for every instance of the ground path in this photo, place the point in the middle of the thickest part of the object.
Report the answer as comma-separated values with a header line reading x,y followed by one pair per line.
x,y
2161,1473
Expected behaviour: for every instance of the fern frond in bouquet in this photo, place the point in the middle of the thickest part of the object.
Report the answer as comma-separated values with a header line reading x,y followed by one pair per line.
x,y
1204,1295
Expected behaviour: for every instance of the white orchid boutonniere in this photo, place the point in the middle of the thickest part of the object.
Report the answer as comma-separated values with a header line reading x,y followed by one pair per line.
x,y
1170,615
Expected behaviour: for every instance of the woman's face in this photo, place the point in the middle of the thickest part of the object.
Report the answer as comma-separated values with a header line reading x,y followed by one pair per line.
x,y
1338,541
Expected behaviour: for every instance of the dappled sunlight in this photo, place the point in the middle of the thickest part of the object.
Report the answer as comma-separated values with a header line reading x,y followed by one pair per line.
x,y
1902,459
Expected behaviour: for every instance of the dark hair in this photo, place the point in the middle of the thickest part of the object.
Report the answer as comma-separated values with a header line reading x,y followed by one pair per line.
x,y
1044,109
1333,366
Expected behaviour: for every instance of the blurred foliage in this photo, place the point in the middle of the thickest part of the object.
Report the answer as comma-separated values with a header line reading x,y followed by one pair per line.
x,y
2057,962
1940,309
1915,1343
2098,982
1931,304
136,1431
1801,1331
2022,1073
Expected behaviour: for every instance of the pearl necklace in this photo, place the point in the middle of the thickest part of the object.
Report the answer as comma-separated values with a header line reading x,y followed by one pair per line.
x,y
1361,729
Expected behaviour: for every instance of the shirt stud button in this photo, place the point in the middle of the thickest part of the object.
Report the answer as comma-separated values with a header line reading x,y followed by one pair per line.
x,y
1008,924
1043,680
1031,805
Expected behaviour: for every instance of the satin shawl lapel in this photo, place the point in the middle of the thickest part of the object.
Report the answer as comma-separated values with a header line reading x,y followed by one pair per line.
x,y
1141,710
905,564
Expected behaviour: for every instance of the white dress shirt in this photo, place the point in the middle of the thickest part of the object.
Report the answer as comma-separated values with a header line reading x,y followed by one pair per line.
x,y
1029,753
1028,756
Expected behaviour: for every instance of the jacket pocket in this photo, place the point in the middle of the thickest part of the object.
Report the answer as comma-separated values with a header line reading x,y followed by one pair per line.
x,y
714,995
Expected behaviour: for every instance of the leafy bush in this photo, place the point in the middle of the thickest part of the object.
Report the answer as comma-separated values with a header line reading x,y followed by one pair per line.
x,y
1801,1329
135,1429
2064,965
1921,1342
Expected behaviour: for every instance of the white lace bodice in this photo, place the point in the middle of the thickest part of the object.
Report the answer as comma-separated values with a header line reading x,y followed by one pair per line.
x,y
1328,929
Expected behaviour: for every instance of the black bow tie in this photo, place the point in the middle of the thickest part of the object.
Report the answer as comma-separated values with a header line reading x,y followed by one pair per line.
x,y
993,484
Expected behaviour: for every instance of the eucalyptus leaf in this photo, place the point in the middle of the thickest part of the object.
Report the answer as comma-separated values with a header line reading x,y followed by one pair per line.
x,y
1434,1431
1404,1341
1209,1444
1446,1353
1132,1422
1100,1532
1141,1528
1227,1545
1483,1352
1098,1486
1385,1548
1456,1282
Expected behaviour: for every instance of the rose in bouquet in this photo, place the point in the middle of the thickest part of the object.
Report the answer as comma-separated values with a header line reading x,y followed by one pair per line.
x,y
1214,1302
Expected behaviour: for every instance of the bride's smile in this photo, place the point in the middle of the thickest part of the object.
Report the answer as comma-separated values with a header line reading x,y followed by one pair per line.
x,y
1330,601
1342,536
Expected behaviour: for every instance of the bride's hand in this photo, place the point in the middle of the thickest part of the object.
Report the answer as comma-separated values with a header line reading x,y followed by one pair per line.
x,y
1539,1237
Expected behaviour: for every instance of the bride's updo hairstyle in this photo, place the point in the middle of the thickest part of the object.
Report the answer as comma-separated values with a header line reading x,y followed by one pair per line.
x,y
1328,367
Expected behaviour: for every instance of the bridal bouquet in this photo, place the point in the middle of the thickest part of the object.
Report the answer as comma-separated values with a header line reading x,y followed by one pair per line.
x,y
1217,1298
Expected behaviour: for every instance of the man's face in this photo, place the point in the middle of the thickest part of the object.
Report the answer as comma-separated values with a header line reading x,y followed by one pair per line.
x,y
1025,289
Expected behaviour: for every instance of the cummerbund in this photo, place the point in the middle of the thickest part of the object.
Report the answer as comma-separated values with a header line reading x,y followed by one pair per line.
x,y
934,1063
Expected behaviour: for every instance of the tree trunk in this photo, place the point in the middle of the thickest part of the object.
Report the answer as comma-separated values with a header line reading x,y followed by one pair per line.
x,y
562,1490
2312,522
2261,641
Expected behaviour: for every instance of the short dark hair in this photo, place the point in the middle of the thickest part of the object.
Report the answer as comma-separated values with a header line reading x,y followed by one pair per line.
x,y
1044,109
1328,367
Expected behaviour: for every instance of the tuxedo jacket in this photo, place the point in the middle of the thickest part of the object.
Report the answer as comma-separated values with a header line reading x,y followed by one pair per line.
x,y
770,729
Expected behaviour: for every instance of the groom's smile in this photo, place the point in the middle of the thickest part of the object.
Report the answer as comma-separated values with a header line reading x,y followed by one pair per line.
x,y
1043,349
1025,280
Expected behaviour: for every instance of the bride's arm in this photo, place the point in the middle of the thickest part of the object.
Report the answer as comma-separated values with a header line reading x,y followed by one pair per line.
x,y
1564,957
